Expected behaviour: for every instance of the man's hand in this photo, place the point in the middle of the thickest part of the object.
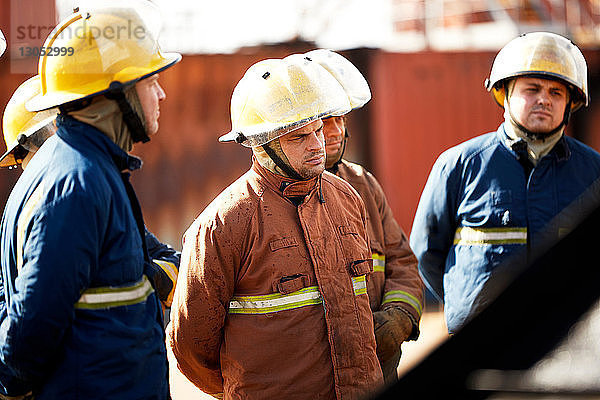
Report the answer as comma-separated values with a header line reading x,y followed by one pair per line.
x,y
392,327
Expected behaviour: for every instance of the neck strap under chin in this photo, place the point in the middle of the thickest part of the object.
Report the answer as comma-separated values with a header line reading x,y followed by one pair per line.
x,y
131,119
289,171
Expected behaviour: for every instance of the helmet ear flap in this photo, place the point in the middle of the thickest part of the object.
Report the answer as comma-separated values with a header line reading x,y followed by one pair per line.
x,y
498,91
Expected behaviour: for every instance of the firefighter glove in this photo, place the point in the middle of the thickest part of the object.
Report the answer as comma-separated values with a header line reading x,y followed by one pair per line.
x,y
392,327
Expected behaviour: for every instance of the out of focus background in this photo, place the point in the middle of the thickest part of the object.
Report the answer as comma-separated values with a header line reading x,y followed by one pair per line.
x,y
425,60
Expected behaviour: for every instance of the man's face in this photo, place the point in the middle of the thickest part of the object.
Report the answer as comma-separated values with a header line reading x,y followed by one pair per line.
x,y
150,94
538,104
305,149
334,130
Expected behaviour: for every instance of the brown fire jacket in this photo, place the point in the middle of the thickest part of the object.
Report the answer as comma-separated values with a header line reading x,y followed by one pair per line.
x,y
395,279
271,300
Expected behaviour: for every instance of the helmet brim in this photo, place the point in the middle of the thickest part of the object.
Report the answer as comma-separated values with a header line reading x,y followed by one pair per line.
x,y
269,135
58,98
8,159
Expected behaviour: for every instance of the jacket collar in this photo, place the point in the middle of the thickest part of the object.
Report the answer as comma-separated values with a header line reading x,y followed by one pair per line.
x,y
75,133
560,151
287,187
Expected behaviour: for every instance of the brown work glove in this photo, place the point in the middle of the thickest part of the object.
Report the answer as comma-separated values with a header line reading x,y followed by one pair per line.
x,y
392,327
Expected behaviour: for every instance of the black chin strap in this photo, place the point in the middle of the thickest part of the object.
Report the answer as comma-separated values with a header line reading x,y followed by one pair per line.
x,y
282,165
131,119
75,105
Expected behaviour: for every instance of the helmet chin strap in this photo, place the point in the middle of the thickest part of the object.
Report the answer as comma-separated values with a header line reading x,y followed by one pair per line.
x,y
132,120
537,135
333,168
287,169
116,92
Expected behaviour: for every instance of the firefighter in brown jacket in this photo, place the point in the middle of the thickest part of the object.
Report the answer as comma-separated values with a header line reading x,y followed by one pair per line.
x,y
395,288
272,296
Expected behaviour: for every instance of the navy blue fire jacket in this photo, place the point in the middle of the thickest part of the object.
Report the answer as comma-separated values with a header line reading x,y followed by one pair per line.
x,y
480,207
79,317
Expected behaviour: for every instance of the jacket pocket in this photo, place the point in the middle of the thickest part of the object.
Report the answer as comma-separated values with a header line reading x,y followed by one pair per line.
x,y
360,267
291,283
356,249
283,243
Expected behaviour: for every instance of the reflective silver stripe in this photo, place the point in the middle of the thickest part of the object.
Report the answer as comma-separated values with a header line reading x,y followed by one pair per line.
x,y
108,297
275,302
24,218
378,262
359,283
279,302
400,295
485,236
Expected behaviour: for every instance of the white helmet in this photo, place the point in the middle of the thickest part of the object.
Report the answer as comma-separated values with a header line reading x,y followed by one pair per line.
x,y
277,96
346,73
541,54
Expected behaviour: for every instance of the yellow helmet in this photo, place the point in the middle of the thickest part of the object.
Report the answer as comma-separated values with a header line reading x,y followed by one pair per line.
x,y
277,96
542,54
17,121
97,48
353,82
2,43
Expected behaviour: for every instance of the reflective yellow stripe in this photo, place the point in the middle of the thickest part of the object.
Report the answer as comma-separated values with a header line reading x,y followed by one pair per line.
x,y
359,283
485,236
400,295
275,302
108,297
168,267
378,262
171,271
24,218
280,302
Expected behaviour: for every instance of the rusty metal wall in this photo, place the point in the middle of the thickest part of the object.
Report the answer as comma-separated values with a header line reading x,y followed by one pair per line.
x,y
424,103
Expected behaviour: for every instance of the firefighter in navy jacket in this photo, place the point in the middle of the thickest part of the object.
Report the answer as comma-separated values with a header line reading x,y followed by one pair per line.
x,y
79,314
489,198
